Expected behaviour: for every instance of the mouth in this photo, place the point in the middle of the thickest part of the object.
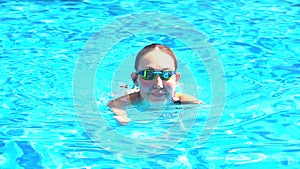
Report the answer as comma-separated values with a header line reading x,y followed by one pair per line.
x,y
157,93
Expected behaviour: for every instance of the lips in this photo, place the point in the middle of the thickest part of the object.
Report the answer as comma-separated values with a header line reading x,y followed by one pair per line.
x,y
157,93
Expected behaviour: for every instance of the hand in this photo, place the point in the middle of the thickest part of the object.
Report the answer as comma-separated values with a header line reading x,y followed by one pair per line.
x,y
122,119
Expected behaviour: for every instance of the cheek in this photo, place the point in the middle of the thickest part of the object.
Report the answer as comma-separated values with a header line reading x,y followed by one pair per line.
x,y
169,85
145,83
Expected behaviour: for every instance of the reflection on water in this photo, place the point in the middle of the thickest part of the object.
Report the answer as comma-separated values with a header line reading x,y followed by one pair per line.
x,y
257,43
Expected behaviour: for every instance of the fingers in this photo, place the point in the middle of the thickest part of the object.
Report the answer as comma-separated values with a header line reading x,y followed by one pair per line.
x,y
199,102
122,119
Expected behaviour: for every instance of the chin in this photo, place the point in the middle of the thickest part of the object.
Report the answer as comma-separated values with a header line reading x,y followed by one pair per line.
x,y
157,100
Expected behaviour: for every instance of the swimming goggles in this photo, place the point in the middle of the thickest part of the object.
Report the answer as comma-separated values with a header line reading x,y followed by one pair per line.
x,y
150,74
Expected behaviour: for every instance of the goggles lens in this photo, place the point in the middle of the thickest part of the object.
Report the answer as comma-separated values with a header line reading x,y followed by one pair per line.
x,y
150,74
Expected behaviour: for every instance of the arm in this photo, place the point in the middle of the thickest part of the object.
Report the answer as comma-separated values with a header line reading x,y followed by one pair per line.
x,y
118,106
189,99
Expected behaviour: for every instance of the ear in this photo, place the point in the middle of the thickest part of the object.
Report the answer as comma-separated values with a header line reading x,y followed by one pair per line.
x,y
134,78
177,76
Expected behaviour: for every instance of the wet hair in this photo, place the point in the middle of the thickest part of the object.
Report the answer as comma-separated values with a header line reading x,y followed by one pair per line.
x,y
152,47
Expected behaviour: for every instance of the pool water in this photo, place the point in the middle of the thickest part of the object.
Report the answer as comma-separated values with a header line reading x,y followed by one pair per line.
x,y
257,43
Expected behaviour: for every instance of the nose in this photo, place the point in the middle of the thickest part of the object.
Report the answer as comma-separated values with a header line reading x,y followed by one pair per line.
x,y
158,82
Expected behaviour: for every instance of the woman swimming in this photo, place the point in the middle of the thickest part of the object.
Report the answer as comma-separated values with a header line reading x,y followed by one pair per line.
x,y
156,78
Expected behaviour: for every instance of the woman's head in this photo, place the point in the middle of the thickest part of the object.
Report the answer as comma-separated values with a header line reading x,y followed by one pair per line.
x,y
155,46
156,75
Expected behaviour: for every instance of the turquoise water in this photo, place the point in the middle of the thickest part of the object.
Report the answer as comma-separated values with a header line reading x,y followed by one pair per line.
x,y
256,42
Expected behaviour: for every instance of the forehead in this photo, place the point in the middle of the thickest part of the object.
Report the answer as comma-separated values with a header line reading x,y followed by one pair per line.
x,y
156,59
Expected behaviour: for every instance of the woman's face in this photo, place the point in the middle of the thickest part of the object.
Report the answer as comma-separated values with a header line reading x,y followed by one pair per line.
x,y
157,90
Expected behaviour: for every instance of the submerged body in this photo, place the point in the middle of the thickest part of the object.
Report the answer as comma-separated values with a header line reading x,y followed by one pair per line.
x,y
118,106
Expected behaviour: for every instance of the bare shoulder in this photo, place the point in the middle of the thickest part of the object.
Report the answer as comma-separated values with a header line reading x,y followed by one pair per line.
x,y
125,100
186,99
118,106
